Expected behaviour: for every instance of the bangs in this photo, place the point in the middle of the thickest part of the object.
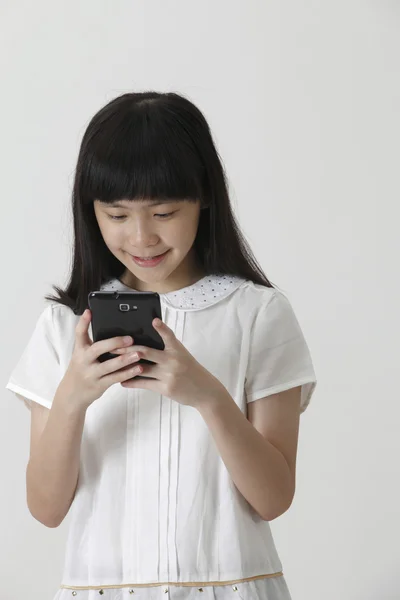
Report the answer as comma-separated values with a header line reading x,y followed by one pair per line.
x,y
138,157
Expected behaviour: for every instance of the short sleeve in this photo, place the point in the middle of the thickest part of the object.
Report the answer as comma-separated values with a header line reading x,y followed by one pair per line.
x,y
37,374
279,358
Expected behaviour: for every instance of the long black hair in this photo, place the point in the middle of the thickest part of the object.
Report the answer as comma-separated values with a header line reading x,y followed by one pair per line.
x,y
151,145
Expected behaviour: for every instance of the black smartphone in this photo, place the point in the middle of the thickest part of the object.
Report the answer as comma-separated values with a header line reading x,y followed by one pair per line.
x,y
126,313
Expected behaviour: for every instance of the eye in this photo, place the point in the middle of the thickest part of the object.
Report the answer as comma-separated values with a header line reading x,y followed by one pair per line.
x,y
164,215
121,217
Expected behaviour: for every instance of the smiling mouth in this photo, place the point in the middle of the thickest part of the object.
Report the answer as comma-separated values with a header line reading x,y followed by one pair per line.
x,y
151,261
149,257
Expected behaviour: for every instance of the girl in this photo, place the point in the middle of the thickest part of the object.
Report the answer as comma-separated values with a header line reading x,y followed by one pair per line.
x,y
170,481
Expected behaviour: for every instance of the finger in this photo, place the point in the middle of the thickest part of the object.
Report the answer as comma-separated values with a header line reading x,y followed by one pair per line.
x,y
82,330
145,382
121,375
165,332
110,344
119,362
127,350
156,356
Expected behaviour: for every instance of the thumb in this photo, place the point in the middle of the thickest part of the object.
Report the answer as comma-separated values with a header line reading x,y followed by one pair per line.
x,y
82,338
165,332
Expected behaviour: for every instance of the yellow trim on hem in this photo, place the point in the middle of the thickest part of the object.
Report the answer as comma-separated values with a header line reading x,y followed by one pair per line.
x,y
173,583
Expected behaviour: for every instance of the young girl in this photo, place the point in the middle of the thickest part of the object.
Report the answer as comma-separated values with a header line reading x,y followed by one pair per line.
x,y
170,481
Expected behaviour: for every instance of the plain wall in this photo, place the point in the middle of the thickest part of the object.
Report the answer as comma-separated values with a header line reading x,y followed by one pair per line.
x,y
303,99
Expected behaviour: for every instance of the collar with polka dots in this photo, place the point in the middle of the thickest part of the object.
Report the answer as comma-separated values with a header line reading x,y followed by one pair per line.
x,y
207,291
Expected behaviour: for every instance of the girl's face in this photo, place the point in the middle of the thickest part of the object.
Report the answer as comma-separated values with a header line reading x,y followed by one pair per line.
x,y
149,228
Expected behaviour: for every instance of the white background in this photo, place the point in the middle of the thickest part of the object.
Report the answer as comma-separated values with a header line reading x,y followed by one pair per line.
x,y
303,99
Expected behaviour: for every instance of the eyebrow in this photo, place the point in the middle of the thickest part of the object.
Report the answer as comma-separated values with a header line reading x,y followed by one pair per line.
x,y
148,203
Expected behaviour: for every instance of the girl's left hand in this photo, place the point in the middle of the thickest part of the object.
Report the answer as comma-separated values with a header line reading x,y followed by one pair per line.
x,y
176,374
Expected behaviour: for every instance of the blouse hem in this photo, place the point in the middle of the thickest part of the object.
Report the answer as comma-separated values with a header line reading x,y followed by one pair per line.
x,y
173,583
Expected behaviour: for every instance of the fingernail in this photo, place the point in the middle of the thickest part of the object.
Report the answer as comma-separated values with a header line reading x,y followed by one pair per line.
x,y
127,339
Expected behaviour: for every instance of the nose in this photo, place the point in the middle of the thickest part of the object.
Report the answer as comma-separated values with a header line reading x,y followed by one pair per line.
x,y
141,236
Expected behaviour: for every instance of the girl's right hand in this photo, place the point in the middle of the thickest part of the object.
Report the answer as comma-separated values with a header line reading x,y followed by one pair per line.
x,y
86,379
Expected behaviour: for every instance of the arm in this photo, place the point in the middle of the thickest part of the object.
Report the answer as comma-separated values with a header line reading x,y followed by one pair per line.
x,y
53,467
259,452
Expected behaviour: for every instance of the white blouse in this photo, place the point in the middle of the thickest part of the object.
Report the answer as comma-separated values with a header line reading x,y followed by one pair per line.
x,y
155,510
